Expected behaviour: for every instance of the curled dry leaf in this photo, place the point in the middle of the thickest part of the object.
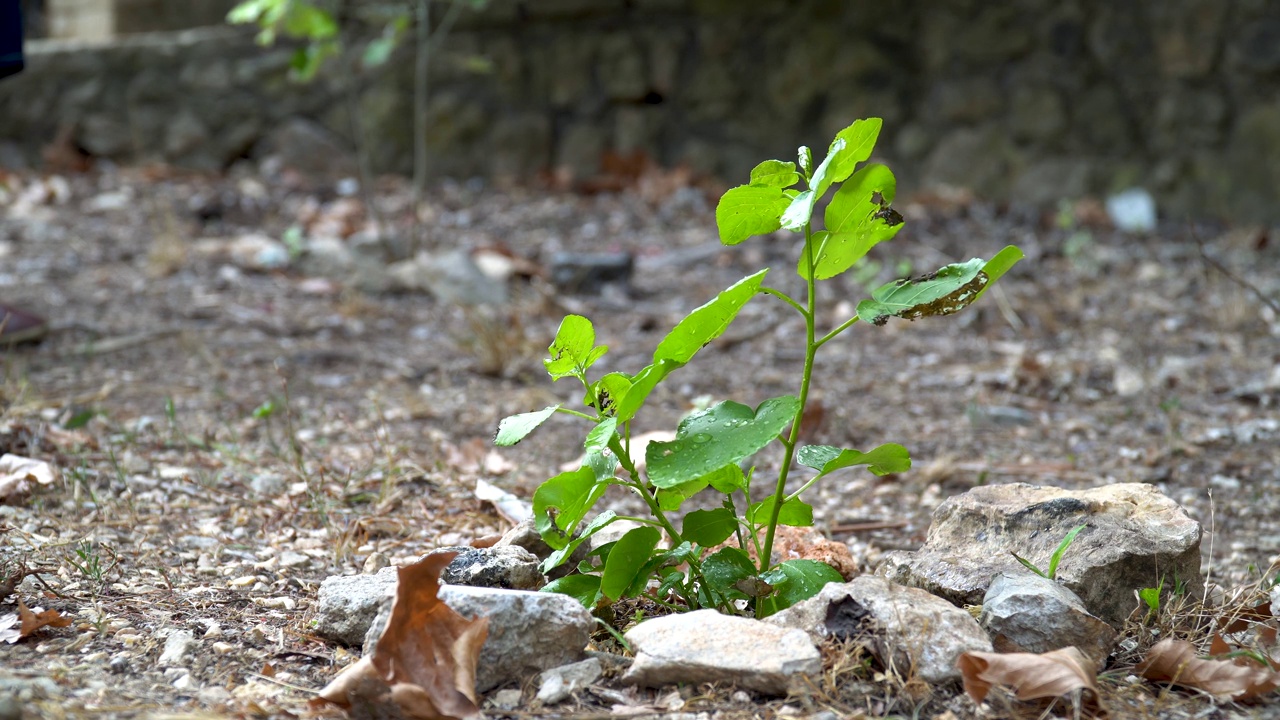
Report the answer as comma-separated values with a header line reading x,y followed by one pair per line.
x,y
28,621
1047,675
17,473
1175,661
424,665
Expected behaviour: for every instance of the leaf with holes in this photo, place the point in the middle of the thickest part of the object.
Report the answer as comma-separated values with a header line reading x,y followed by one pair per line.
x,y
573,350
948,290
857,219
721,435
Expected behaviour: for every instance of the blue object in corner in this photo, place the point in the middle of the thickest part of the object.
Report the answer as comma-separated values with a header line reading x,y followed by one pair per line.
x,y
10,37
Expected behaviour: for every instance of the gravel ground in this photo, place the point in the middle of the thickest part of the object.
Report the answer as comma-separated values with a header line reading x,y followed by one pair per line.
x,y
225,439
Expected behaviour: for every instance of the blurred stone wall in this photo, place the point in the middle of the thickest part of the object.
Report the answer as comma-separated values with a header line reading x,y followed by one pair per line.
x,y
1025,100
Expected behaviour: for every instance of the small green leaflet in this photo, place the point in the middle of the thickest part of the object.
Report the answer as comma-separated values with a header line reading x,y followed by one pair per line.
x,y
795,580
573,350
629,554
794,513
723,434
804,156
726,480
725,568
947,291
559,556
801,208
609,389
583,588
857,219
774,173
515,428
598,439
859,140
883,460
561,502
709,528
998,265
749,210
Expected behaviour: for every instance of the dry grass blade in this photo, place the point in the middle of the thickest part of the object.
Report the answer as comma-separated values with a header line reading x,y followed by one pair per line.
x,y
1175,661
1048,675
424,665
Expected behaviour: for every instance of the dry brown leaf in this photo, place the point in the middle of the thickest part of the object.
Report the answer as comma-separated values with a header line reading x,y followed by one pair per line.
x,y
1241,620
33,620
1175,661
1047,675
17,473
425,661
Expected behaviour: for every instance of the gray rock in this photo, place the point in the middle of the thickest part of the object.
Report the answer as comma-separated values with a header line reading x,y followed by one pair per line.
x,y
1028,613
525,535
705,646
588,273
325,257
177,647
557,684
510,567
904,627
528,631
347,605
1135,536
308,147
452,277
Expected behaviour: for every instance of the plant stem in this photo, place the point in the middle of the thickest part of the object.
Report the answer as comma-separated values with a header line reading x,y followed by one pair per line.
x,y
810,350
422,64
638,485
831,335
784,298
575,413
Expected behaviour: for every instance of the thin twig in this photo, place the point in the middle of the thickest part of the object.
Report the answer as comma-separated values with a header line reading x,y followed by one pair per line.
x,y
1211,262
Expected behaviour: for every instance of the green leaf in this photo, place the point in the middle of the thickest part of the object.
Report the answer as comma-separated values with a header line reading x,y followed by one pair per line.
x,y
308,21
583,588
883,460
250,10
774,173
998,265
631,552
515,428
794,512
672,498
708,322
608,390
804,156
800,210
708,528
378,51
641,385
1062,548
723,434
571,351
727,479
795,580
859,140
724,568
1151,596
947,291
858,218
749,210
600,435
654,564
602,463
559,556
1029,565
570,495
